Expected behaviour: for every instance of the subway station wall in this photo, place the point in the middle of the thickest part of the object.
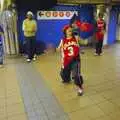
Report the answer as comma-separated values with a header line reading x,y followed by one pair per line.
x,y
112,26
50,31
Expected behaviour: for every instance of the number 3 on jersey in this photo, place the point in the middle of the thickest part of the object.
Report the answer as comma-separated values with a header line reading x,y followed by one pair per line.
x,y
71,53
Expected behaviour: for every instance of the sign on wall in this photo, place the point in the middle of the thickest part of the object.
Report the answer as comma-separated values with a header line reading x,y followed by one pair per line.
x,y
47,15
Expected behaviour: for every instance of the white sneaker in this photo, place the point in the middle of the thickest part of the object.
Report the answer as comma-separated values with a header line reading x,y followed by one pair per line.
x,y
95,54
1,66
80,92
34,59
101,53
28,60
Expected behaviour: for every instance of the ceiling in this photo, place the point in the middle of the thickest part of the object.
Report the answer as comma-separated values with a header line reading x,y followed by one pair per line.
x,y
50,3
88,1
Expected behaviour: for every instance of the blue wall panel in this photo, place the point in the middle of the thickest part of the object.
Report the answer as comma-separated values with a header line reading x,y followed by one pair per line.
x,y
50,31
112,27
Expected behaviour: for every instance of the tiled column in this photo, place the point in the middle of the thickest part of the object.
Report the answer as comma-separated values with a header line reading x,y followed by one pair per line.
x,y
107,17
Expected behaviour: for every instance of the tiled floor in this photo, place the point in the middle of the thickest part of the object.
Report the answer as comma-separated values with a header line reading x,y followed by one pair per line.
x,y
11,103
34,91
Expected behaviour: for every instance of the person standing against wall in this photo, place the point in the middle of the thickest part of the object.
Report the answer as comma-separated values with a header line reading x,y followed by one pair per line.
x,y
30,29
100,30
1,47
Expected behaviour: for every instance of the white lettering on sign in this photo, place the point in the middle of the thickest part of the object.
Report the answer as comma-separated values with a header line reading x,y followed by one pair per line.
x,y
46,15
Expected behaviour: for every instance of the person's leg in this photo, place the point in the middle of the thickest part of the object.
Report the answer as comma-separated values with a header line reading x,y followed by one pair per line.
x,y
33,47
28,48
1,56
78,79
65,74
97,48
101,45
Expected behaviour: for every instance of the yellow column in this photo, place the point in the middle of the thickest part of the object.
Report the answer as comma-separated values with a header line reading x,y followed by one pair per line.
x,y
1,5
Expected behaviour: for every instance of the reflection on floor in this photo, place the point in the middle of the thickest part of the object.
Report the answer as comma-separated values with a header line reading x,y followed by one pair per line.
x,y
33,91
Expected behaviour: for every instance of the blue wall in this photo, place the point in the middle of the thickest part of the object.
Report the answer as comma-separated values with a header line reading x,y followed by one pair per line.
x,y
112,26
49,31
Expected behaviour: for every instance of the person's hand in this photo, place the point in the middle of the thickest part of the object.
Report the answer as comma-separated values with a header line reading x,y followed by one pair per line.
x,y
33,29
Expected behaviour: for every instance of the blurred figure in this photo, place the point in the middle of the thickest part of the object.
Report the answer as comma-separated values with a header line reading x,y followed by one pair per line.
x,y
69,48
100,30
30,29
1,47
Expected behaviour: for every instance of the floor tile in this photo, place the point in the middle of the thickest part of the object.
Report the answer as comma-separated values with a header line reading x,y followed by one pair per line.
x,y
18,117
15,109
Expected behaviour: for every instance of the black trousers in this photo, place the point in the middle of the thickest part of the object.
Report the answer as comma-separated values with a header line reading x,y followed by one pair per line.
x,y
30,46
73,69
99,45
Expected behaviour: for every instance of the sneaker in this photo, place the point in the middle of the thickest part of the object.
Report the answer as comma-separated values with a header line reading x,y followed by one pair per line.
x,y
1,65
34,59
28,60
101,54
80,92
95,54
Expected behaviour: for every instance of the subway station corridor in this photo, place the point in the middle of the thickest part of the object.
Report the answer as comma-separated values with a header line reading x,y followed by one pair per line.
x,y
33,91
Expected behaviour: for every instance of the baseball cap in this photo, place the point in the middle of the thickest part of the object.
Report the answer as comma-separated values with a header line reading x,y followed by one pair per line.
x,y
66,27
29,13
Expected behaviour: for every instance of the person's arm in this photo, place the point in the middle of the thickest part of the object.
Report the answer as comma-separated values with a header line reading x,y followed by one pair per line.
x,y
35,26
60,45
24,26
95,25
77,37
104,26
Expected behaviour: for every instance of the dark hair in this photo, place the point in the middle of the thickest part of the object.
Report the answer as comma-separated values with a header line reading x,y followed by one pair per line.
x,y
64,33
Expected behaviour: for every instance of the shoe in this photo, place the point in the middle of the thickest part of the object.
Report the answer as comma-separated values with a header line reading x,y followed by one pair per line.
x,y
101,54
1,65
34,59
80,92
28,60
95,54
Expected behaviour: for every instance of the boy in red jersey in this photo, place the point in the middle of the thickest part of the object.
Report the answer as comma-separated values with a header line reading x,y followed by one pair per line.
x,y
100,29
71,59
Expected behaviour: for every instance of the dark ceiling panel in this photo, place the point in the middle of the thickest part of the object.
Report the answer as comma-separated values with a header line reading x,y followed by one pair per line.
x,y
84,1
35,4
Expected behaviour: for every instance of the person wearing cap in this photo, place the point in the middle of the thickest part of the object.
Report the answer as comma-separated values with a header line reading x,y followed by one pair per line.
x,y
69,48
30,28
100,30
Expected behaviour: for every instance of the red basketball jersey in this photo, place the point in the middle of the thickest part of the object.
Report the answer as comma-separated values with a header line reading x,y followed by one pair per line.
x,y
70,50
100,28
